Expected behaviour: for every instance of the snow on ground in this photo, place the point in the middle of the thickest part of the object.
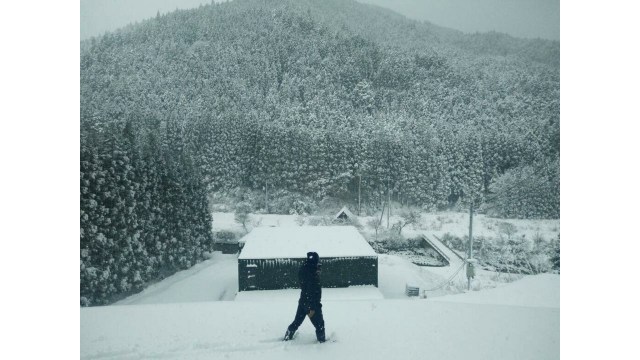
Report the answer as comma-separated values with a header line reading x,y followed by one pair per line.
x,y
368,329
181,318
217,279
457,224
538,291
439,223
225,221
363,329
395,273
211,280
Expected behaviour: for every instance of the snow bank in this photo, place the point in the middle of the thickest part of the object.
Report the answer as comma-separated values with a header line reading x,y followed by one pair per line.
x,y
538,290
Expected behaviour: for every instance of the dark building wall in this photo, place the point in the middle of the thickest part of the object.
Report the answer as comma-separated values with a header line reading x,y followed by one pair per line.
x,y
226,248
274,274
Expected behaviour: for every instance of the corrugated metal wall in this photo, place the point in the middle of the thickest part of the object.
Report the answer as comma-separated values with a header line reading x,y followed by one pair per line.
x,y
273,274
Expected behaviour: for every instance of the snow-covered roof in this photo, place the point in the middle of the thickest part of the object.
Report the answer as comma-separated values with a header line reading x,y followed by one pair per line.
x,y
346,211
295,242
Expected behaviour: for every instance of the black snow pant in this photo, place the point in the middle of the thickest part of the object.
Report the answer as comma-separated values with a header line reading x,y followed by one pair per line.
x,y
317,320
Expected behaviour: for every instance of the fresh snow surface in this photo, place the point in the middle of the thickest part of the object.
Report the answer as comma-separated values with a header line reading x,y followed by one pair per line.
x,y
327,241
181,318
366,329
537,291
211,280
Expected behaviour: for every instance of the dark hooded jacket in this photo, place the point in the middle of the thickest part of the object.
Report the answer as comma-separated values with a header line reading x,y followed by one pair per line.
x,y
311,290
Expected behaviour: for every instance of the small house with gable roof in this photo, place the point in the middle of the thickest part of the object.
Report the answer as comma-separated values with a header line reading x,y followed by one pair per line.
x,y
344,214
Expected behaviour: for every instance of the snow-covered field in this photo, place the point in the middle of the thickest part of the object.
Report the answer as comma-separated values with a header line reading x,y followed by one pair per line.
x,y
182,317
454,223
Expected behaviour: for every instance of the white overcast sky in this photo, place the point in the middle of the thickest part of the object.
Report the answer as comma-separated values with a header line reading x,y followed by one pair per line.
x,y
521,18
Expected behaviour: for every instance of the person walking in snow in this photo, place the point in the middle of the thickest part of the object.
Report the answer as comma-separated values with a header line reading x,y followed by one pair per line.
x,y
310,295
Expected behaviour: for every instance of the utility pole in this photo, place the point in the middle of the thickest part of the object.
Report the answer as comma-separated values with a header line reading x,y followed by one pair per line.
x,y
381,215
266,196
469,272
388,202
390,194
359,185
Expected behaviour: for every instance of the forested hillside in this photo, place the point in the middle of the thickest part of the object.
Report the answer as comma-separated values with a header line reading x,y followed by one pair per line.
x,y
309,97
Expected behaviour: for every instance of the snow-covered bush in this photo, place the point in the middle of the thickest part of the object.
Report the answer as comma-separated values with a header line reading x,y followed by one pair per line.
x,y
540,263
554,254
392,240
320,221
528,191
289,203
453,242
225,236
242,214
517,254
507,229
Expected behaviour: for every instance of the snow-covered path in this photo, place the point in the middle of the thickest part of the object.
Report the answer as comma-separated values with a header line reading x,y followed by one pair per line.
x,y
211,280
364,329
182,318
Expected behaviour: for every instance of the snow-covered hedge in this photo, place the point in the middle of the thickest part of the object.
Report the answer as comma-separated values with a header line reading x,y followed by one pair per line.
x,y
143,210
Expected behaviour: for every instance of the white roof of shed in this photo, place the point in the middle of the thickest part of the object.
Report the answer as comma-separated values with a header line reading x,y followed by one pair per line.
x,y
295,242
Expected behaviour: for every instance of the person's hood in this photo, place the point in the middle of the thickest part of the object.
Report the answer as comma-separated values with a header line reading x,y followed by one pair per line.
x,y
313,258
